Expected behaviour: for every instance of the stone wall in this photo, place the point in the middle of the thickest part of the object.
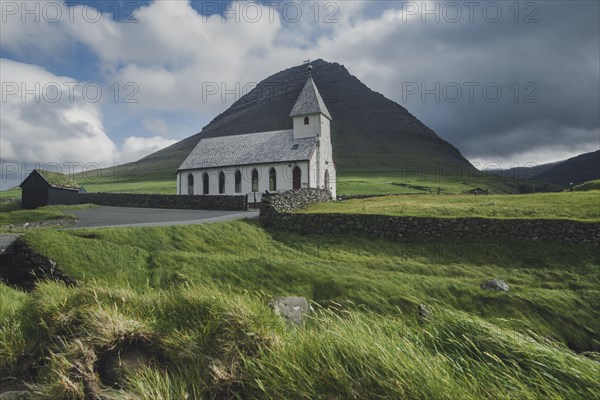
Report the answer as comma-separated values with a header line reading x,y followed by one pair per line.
x,y
275,215
232,203
294,199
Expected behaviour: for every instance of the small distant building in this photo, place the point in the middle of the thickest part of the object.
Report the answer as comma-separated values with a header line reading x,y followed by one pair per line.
x,y
43,188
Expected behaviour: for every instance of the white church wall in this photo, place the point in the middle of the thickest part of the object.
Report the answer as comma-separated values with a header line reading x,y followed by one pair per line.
x,y
313,128
284,173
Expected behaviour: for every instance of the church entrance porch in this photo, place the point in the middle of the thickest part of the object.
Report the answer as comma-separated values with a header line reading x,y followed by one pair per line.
x,y
297,178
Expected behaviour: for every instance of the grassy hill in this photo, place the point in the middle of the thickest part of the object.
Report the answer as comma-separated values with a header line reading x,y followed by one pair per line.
x,y
576,170
587,186
195,299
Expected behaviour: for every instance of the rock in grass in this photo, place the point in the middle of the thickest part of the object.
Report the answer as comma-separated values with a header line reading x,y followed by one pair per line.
x,y
424,313
292,309
495,284
121,364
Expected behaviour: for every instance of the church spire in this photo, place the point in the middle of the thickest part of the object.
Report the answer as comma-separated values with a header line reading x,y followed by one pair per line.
x,y
310,100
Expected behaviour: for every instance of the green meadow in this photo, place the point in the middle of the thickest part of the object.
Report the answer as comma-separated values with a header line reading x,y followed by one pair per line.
x,y
349,183
582,205
12,213
197,299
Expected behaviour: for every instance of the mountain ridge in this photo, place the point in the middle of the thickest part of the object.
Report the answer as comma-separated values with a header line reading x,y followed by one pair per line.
x,y
576,170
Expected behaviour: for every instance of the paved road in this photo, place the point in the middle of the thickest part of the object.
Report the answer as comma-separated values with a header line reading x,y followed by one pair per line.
x,y
129,216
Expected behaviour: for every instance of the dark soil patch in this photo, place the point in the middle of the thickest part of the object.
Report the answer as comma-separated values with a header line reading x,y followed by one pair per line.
x,y
22,267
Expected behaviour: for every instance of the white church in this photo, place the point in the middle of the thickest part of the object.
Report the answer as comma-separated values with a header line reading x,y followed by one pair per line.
x,y
276,161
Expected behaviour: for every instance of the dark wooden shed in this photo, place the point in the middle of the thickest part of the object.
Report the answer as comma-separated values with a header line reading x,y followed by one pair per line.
x,y
43,188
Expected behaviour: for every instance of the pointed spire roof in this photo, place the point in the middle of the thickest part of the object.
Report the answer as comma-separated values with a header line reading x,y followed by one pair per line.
x,y
310,101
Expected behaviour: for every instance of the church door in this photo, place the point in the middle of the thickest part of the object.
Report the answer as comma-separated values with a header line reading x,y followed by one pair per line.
x,y
190,184
297,178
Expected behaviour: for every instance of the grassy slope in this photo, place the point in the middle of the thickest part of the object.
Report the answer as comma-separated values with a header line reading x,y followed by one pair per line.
x,y
202,290
579,206
590,185
12,213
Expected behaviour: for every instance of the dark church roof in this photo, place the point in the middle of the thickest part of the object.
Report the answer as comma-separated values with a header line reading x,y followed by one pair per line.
x,y
310,101
251,148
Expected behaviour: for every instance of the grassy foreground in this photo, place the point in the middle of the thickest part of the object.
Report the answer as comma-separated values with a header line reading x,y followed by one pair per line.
x,y
566,205
196,298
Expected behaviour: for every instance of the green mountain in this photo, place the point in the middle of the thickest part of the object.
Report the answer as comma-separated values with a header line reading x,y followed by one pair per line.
x,y
369,131
576,170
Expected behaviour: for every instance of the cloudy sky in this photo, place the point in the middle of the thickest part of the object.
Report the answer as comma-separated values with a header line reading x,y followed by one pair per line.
x,y
98,83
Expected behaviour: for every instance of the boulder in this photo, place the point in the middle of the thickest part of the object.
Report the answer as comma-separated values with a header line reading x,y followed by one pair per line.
x,y
423,312
292,309
119,365
495,284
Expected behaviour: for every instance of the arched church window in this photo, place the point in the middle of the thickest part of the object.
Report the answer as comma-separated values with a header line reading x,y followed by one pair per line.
x,y
238,181
306,120
190,184
205,182
272,180
221,182
255,180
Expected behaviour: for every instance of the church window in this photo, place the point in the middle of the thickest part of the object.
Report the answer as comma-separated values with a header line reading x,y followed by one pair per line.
x,y
190,184
306,120
295,147
254,180
221,182
272,180
205,183
238,181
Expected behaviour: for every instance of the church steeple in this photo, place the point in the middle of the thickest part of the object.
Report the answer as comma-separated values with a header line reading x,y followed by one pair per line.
x,y
310,102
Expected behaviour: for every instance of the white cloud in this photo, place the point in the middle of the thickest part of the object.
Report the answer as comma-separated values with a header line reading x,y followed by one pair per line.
x,y
172,53
136,147
39,127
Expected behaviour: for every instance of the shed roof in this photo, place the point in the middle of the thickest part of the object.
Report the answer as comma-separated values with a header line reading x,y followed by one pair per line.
x,y
310,101
55,179
251,148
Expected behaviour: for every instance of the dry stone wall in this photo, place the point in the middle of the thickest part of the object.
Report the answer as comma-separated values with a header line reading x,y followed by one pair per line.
x,y
232,203
275,215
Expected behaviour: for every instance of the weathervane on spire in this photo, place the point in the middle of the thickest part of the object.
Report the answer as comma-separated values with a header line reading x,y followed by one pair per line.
x,y
309,68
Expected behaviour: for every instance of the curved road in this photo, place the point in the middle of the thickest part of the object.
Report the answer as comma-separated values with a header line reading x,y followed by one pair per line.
x,y
129,216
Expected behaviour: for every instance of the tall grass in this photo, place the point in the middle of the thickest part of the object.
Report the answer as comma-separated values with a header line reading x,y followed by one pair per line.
x,y
196,299
212,343
554,287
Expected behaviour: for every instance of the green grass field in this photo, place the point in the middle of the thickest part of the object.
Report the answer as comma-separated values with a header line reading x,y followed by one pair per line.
x,y
196,297
584,206
12,213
